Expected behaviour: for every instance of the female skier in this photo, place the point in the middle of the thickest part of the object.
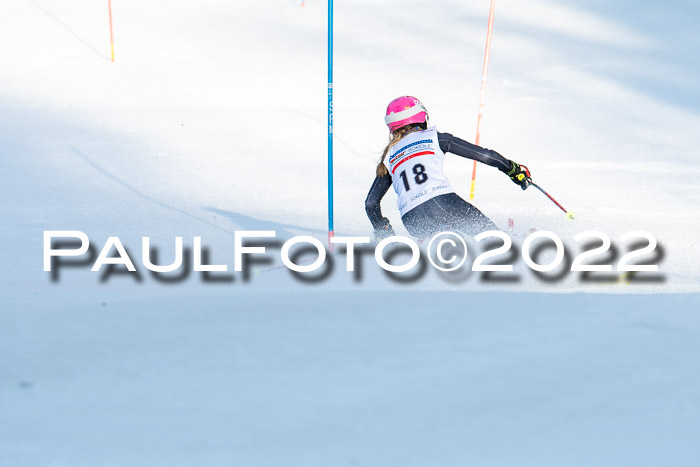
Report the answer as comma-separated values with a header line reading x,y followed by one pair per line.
x,y
413,162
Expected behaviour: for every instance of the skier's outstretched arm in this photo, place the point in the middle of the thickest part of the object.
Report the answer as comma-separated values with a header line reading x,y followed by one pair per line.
x,y
519,174
373,208
449,143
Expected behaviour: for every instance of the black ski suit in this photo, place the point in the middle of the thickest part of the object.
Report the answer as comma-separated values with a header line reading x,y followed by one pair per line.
x,y
444,212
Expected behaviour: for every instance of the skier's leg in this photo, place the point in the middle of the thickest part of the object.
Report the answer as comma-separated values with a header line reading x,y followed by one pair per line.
x,y
446,212
417,221
465,216
426,219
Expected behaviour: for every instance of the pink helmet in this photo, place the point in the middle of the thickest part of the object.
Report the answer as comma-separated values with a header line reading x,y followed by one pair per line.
x,y
403,111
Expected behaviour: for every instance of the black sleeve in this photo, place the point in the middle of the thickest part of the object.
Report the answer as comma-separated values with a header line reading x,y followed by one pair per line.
x,y
374,197
449,143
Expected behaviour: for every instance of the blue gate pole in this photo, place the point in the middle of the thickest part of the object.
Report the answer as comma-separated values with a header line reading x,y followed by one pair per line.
x,y
330,123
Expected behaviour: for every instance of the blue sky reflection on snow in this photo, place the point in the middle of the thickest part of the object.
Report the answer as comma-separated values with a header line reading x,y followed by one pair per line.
x,y
659,41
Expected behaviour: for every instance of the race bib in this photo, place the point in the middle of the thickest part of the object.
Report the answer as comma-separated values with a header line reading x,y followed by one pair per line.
x,y
415,164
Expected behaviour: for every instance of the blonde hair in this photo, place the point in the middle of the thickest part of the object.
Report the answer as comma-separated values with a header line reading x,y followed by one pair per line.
x,y
395,138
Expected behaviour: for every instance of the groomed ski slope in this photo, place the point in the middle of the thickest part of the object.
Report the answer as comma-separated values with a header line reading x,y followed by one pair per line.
x,y
212,119
481,379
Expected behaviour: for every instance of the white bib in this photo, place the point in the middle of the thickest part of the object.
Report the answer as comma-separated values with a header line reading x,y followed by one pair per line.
x,y
415,165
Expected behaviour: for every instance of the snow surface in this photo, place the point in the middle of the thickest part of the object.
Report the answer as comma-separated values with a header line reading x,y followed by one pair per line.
x,y
213,119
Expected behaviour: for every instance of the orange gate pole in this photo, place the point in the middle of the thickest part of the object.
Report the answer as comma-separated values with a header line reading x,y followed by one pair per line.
x,y
111,36
484,75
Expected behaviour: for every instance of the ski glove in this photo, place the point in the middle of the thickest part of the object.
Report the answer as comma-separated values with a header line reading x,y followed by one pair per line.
x,y
383,230
519,174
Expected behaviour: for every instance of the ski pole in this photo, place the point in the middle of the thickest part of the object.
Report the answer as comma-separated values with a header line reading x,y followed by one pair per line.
x,y
569,214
